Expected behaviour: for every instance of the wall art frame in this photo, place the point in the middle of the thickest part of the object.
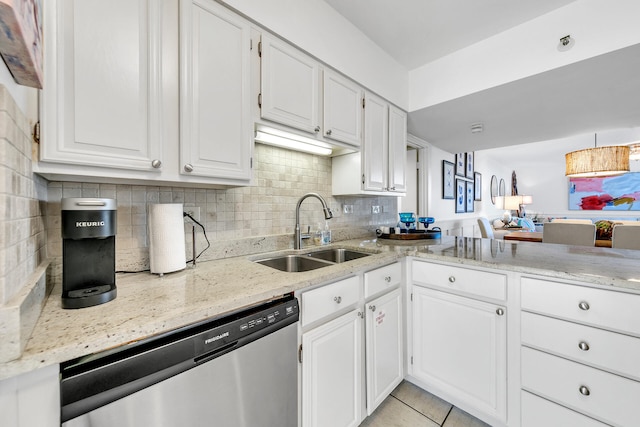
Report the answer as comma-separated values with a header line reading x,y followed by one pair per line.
x,y
477,186
461,164
469,204
448,180
469,168
461,206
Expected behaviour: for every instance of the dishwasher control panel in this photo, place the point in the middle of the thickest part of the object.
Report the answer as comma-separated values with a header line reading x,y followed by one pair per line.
x,y
262,321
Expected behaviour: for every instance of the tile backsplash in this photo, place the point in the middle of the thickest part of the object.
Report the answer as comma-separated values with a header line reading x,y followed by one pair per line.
x,y
265,210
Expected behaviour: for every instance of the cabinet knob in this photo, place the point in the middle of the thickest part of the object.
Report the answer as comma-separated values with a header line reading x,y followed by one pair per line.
x,y
500,311
155,163
583,346
188,167
392,188
338,299
328,131
452,279
360,314
317,129
583,305
372,307
387,279
584,390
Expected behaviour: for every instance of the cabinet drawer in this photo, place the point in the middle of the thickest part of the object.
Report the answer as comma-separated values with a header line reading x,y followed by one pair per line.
x,y
597,307
382,278
537,412
481,283
602,349
323,301
607,397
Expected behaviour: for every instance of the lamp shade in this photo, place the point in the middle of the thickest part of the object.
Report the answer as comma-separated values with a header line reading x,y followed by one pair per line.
x,y
512,203
598,161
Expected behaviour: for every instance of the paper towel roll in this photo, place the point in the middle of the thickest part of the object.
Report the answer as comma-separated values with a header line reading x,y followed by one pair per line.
x,y
166,238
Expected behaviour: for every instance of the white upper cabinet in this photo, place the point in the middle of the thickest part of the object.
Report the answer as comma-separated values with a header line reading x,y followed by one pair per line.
x,y
215,96
379,169
289,87
376,139
103,100
342,109
397,163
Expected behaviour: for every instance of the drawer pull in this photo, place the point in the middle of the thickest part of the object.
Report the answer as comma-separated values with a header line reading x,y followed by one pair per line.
x,y
499,311
583,346
387,279
452,279
584,390
372,307
583,305
361,315
337,299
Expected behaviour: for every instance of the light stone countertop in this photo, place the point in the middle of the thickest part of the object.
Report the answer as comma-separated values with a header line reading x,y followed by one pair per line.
x,y
148,304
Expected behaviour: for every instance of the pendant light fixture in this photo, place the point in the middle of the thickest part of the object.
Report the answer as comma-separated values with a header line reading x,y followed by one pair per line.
x,y
598,161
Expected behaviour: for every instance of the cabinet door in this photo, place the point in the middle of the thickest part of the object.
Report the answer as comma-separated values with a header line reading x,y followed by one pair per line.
x,y
397,150
215,109
103,102
459,346
384,347
374,152
332,373
342,102
289,88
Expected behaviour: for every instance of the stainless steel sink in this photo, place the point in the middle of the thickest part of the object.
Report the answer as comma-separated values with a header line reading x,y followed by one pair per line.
x,y
338,255
311,260
293,263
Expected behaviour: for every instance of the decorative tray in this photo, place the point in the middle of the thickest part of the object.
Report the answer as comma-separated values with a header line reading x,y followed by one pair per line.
x,y
413,235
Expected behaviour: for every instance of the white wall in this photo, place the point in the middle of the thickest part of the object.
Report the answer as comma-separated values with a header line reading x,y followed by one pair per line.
x,y
317,28
528,49
25,97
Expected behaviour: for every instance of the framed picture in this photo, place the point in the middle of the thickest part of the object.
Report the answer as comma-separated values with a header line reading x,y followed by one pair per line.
x,y
460,195
448,181
469,196
477,186
460,164
469,168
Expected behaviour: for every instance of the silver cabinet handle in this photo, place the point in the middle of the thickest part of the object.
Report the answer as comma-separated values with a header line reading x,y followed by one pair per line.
x,y
392,188
155,163
583,346
188,167
387,279
583,305
337,299
317,129
452,279
328,132
500,311
372,307
360,314
584,390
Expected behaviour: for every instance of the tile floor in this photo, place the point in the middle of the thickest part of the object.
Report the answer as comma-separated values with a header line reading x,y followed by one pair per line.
x,y
410,406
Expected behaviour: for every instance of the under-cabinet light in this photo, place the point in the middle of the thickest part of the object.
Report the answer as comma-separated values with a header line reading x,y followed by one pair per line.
x,y
278,138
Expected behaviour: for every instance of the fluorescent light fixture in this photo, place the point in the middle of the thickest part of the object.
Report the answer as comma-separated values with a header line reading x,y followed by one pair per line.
x,y
279,138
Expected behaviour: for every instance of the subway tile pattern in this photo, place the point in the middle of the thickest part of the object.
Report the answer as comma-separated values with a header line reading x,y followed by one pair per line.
x,y
22,200
238,220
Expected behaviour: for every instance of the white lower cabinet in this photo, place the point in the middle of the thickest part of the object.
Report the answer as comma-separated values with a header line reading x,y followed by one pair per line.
x,y
459,348
580,351
351,350
383,347
332,372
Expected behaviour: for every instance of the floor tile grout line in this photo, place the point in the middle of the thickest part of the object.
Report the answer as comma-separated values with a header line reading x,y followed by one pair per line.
x,y
447,416
424,415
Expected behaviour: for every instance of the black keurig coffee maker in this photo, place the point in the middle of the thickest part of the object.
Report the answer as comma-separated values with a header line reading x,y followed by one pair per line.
x,y
88,251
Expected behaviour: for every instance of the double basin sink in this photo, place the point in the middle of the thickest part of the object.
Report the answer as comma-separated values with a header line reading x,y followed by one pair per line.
x,y
311,260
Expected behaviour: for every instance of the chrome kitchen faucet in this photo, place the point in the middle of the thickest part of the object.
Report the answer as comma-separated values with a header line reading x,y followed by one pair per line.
x,y
297,237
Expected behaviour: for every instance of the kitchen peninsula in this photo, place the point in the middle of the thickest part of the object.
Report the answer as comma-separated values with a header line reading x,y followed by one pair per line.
x,y
147,305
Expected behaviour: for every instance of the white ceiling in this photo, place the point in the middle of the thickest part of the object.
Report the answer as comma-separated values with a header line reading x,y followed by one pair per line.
x,y
589,96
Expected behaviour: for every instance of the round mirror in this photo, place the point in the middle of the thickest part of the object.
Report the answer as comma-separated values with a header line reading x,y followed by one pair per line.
x,y
494,189
501,189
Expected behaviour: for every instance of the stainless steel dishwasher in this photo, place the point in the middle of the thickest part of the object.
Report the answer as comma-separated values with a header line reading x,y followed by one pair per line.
x,y
238,370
